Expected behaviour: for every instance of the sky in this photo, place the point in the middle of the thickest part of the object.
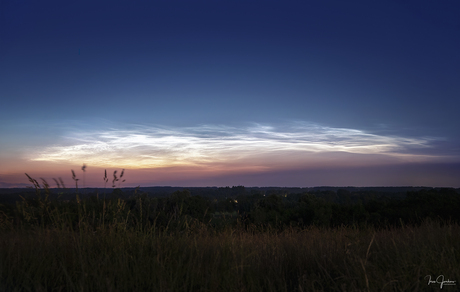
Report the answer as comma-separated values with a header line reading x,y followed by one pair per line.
x,y
223,93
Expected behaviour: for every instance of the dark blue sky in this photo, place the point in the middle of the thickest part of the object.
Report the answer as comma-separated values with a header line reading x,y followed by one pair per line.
x,y
386,69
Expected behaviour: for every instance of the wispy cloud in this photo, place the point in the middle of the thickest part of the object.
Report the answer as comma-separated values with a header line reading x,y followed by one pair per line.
x,y
151,147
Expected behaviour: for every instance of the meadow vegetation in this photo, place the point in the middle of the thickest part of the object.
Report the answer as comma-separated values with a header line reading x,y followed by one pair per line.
x,y
249,242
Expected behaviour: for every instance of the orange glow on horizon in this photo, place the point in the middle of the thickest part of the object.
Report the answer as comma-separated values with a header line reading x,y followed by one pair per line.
x,y
157,156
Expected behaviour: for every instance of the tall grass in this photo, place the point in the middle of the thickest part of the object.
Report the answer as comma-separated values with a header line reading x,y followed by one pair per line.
x,y
112,244
117,259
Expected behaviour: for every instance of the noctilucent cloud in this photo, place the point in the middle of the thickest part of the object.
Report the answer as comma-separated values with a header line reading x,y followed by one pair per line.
x,y
217,93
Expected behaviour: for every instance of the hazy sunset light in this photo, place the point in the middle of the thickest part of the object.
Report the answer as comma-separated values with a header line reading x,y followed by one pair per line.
x,y
218,93
229,145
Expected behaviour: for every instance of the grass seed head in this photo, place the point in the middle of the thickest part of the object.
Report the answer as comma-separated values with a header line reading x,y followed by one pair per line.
x,y
115,179
62,182
57,183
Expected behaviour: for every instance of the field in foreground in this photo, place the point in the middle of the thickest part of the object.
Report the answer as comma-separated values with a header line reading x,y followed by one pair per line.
x,y
314,259
175,244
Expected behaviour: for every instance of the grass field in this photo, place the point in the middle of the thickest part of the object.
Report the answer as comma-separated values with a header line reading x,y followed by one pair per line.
x,y
104,245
